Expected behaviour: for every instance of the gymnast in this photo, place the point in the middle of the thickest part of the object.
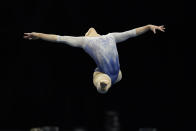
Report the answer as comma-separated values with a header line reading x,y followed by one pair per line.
x,y
102,49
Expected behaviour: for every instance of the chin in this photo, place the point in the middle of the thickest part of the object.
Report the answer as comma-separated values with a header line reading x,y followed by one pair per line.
x,y
102,91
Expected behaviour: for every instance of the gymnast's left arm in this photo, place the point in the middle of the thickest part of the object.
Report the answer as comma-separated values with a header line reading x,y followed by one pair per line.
x,y
122,36
69,40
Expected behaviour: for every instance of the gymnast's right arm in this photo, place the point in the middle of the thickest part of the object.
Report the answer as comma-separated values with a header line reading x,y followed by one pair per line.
x,y
69,40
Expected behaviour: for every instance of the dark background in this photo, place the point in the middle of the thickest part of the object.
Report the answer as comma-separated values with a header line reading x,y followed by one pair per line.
x,y
47,83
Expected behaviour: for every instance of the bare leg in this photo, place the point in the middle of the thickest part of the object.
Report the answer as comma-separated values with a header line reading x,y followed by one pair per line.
x,y
92,33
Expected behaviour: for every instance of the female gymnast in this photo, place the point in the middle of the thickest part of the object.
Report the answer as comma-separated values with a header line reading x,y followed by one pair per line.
x,y
103,50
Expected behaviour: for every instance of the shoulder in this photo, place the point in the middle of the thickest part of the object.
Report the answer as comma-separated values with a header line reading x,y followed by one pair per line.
x,y
110,35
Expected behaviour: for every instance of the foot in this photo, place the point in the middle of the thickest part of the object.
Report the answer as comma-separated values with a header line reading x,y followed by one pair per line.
x,y
92,33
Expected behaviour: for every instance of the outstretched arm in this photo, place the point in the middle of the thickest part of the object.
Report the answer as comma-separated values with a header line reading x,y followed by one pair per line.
x,y
143,29
70,40
122,36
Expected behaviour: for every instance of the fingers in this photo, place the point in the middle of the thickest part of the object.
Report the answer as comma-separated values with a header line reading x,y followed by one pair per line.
x,y
154,31
27,33
27,36
161,28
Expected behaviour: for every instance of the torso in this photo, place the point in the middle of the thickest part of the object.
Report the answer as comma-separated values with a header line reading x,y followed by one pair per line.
x,y
104,52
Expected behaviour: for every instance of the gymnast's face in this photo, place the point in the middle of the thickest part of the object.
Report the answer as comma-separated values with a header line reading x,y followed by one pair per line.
x,y
103,88
102,91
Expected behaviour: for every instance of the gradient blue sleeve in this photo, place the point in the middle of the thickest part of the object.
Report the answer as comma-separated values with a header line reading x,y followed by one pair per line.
x,y
71,40
122,36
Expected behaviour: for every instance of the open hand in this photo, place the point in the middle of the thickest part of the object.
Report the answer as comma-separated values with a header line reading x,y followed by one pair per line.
x,y
154,28
31,36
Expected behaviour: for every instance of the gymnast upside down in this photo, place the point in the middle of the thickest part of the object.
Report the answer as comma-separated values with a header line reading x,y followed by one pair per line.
x,y
102,49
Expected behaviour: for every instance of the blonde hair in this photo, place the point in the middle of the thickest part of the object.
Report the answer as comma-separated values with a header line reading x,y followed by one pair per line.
x,y
102,82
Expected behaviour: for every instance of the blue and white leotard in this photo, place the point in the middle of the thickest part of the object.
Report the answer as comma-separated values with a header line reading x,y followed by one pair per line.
x,y
104,52
102,49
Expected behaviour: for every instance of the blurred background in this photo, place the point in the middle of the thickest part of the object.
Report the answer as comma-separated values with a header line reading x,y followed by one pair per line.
x,y
48,86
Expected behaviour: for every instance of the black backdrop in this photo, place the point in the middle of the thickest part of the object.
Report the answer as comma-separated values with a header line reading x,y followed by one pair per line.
x,y
51,84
